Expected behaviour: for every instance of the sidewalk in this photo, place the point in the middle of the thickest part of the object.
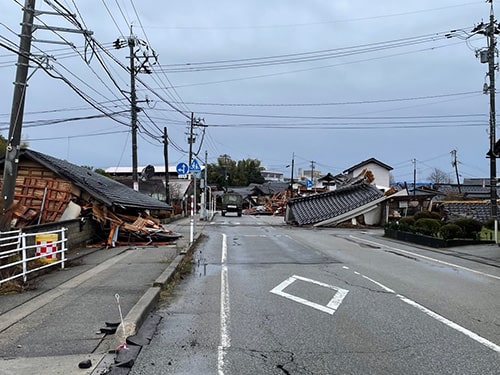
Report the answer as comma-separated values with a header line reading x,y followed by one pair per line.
x,y
61,323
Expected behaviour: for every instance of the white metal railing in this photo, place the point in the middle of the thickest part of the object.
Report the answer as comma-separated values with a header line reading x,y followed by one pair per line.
x,y
24,249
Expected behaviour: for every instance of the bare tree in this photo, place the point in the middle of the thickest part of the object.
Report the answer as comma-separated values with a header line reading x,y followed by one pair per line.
x,y
439,176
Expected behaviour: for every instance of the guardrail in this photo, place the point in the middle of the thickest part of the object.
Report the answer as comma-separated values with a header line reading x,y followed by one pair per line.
x,y
25,253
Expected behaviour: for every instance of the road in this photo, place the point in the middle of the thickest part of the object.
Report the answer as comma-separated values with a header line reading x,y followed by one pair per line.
x,y
266,298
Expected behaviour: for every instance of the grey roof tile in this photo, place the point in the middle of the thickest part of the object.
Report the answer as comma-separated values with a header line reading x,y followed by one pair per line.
x,y
480,211
320,207
102,188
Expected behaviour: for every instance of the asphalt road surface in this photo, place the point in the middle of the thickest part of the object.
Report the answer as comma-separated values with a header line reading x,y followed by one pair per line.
x,y
266,298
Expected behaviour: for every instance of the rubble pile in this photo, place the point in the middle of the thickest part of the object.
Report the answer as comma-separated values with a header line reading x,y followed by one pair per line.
x,y
127,229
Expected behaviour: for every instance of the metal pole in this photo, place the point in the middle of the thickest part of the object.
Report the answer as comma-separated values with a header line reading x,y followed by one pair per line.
x,y
191,226
17,113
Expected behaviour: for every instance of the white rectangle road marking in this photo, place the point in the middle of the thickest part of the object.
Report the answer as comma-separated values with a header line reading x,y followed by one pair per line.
x,y
331,306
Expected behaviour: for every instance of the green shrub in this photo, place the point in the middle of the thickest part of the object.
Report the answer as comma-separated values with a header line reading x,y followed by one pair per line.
x,y
406,224
470,227
392,225
426,215
449,231
428,226
408,220
490,224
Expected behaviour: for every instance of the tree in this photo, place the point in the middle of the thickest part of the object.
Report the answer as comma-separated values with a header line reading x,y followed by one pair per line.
x,y
3,145
438,176
228,172
97,170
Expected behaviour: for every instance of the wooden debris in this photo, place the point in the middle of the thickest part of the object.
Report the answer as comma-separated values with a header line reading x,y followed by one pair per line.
x,y
128,229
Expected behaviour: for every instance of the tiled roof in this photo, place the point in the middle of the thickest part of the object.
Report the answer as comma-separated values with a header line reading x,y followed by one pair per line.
x,y
102,188
480,210
324,206
469,191
271,188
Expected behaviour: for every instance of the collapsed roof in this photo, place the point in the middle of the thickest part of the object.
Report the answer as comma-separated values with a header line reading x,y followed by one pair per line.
x,y
103,189
335,206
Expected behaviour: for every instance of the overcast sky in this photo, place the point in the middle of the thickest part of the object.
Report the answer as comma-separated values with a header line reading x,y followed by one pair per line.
x,y
334,82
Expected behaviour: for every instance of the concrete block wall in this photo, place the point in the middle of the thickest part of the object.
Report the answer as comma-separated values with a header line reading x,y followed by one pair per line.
x,y
79,233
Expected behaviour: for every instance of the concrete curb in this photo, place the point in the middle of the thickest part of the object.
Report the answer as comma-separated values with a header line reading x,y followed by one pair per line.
x,y
137,315
169,273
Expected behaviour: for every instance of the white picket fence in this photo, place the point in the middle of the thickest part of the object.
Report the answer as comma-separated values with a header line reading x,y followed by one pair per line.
x,y
22,248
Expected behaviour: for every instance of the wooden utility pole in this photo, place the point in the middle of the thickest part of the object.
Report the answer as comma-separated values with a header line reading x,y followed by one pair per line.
x,y
16,116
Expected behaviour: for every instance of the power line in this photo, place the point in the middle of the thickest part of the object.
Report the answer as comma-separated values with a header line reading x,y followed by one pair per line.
x,y
375,101
301,57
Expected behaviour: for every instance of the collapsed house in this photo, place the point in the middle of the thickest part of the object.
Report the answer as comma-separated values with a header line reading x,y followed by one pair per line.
x,y
49,190
349,197
359,201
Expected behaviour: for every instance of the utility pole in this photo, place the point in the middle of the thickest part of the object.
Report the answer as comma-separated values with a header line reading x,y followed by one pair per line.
x,y
28,27
291,176
312,173
17,113
205,180
488,56
226,158
133,110
414,176
191,135
191,138
165,156
136,66
454,163
491,30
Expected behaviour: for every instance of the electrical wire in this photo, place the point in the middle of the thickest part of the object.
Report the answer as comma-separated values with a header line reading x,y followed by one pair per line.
x,y
303,56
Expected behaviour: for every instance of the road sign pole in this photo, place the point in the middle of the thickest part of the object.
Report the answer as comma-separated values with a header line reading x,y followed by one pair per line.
x,y
191,227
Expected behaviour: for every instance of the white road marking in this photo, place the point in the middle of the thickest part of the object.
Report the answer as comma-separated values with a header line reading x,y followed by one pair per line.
x,y
440,318
427,258
330,308
225,339
451,324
